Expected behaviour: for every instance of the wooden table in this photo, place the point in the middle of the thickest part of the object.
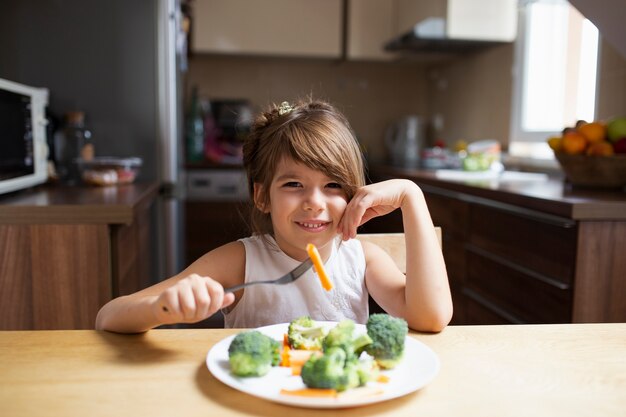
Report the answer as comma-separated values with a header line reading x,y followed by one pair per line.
x,y
510,370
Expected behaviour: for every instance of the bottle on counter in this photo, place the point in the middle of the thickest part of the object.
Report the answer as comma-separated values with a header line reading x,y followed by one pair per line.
x,y
194,130
73,142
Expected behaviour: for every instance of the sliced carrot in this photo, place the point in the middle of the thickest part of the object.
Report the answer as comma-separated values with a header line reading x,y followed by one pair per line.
x,y
286,340
310,392
284,356
382,378
297,359
318,265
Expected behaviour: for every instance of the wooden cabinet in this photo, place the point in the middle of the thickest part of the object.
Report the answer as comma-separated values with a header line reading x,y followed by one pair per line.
x,y
273,27
505,264
489,20
210,224
516,258
64,252
370,24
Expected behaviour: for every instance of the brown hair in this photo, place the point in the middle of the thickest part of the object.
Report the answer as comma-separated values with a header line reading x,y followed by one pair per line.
x,y
311,132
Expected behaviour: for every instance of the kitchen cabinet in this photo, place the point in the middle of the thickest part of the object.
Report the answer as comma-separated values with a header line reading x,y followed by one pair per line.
x,y
66,251
526,252
216,208
493,20
274,27
408,13
516,266
371,23
210,224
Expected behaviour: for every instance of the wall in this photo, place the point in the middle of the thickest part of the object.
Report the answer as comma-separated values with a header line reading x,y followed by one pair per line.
x,y
609,17
474,95
370,94
95,56
611,83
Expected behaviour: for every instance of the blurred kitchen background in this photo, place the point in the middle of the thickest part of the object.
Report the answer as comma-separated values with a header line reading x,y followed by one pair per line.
x,y
177,82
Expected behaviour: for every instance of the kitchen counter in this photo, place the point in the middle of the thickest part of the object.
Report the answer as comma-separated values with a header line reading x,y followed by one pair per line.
x,y
66,251
515,370
551,195
79,204
525,250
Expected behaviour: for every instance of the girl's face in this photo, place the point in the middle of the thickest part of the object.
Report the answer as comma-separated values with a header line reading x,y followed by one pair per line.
x,y
305,207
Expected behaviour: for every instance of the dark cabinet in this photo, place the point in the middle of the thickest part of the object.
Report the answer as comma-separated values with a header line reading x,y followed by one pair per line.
x,y
210,224
515,258
505,265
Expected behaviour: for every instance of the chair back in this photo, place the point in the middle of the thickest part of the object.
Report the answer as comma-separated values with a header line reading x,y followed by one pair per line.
x,y
393,244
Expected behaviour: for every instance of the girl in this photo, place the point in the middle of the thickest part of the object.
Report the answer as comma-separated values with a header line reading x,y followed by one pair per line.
x,y
306,179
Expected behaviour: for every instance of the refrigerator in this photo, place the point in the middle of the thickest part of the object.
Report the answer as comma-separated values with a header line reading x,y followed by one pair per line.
x,y
122,63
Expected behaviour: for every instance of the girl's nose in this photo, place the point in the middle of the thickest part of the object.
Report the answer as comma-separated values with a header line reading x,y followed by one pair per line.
x,y
314,200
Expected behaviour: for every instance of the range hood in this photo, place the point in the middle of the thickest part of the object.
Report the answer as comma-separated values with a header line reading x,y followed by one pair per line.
x,y
468,26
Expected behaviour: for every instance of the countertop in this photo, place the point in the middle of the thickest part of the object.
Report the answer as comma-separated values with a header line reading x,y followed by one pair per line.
x,y
551,195
511,370
76,204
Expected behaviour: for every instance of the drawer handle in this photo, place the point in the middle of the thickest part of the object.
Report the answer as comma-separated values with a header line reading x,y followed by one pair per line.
x,y
509,208
201,182
491,306
511,265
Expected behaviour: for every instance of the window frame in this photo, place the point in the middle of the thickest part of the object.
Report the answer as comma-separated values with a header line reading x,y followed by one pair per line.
x,y
523,142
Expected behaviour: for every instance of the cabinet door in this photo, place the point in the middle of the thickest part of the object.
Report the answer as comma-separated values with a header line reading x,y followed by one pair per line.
x,y
209,224
370,26
410,12
53,277
452,216
270,27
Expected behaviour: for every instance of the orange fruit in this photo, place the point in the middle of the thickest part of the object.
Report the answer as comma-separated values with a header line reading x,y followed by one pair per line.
x,y
594,131
555,143
602,148
574,143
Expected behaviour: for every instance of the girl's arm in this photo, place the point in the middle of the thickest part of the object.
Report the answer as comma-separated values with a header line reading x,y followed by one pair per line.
x,y
422,297
191,296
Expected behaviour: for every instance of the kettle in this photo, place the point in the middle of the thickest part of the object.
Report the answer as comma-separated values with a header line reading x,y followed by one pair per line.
x,y
403,139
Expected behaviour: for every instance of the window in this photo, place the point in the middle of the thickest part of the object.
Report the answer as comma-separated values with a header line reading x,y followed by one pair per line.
x,y
555,74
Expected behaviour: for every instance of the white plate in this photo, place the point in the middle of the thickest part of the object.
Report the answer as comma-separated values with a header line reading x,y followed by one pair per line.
x,y
418,367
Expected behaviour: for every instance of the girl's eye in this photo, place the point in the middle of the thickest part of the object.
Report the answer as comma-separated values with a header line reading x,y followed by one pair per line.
x,y
292,184
334,185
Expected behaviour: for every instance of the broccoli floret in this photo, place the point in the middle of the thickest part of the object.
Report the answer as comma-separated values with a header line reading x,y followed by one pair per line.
x,y
253,354
342,336
330,370
367,369
305,333
388,334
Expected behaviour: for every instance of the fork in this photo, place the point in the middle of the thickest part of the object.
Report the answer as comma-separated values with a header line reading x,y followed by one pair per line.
x,y
285,279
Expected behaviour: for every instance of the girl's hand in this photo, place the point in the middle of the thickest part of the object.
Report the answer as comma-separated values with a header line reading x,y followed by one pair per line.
x,y
190,300
371,201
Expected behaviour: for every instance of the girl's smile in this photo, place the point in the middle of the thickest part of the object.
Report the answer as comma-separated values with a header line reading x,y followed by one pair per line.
x,y
305,206
314,226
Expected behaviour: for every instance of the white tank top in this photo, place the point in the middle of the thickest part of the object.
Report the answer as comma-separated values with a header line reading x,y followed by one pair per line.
x,y
262,305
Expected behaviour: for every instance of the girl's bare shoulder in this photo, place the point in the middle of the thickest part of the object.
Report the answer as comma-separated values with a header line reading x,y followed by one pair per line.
x,y
225,263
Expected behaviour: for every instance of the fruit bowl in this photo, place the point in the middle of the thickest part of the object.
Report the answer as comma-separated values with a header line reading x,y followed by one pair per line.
x,y
594,171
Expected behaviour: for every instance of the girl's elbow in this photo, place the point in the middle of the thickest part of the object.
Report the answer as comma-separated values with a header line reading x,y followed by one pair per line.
x,y
105,316
443,319
439,324
436,322
101,321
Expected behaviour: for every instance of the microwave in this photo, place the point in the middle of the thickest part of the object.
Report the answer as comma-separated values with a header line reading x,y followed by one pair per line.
x,y
23,147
